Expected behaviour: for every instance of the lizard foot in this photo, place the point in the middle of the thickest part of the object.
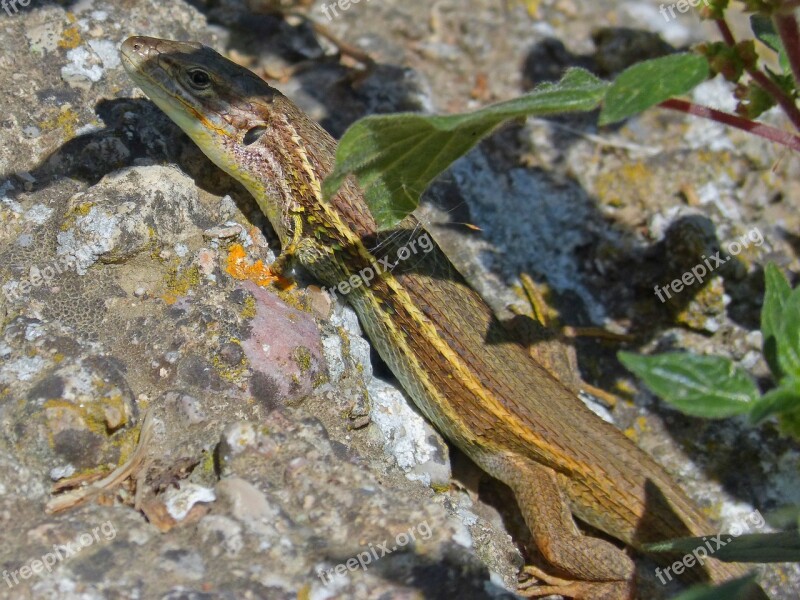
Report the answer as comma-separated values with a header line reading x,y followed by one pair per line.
x,y
580,590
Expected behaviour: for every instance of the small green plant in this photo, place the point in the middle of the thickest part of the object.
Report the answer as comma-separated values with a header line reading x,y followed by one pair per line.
x,y
714,387
395,157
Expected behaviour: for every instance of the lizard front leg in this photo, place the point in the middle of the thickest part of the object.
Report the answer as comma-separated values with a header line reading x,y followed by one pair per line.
x,y
593,568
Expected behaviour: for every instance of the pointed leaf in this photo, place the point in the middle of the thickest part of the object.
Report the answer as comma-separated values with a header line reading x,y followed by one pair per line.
x,y
787,336
395,157
702,386
764,29
775,297
647,83
783,546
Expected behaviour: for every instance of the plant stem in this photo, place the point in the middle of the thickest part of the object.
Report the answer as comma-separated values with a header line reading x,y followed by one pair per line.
x,y
768,132
725,31
762,79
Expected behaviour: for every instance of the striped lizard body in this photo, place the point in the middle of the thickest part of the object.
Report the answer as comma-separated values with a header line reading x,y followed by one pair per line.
x,y
464,371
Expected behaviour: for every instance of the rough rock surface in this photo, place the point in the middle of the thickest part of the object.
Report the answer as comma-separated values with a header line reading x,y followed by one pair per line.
x,y
127,288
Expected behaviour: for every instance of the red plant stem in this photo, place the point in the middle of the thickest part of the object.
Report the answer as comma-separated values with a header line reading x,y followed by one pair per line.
x,y
786,103
725,31
778,136
786,26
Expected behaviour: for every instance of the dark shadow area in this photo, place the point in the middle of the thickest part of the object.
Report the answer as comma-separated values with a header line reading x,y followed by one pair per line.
x,y
347,93
135,132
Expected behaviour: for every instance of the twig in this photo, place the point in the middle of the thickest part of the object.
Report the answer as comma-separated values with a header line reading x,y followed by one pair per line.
x,y
117,476
760,129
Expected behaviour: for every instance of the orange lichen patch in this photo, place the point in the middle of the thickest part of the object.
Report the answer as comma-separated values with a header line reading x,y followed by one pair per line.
x,y
240,268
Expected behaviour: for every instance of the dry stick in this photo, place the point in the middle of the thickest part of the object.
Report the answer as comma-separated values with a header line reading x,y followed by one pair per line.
x,y
343,47
113,479
762,79
766,131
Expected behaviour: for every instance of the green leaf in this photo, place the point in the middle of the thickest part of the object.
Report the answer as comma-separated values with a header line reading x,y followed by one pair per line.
x,y
775,297
787,336
764,30
395,157
784,399
789,423
702,386
783,546
786,517
647,83
736,589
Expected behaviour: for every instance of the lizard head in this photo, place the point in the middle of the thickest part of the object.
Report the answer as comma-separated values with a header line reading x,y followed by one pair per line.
x,y
247,128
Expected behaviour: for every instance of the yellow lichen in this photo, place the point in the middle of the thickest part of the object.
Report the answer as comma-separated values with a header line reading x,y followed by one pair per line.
x,y
249,310
302,356
230,373
178,283
71,36
631,180
66,119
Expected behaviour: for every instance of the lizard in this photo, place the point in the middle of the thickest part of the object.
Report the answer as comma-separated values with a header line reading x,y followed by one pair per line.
x,y
466,373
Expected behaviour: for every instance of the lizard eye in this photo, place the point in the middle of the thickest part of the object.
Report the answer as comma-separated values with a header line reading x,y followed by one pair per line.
x,y
199,79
